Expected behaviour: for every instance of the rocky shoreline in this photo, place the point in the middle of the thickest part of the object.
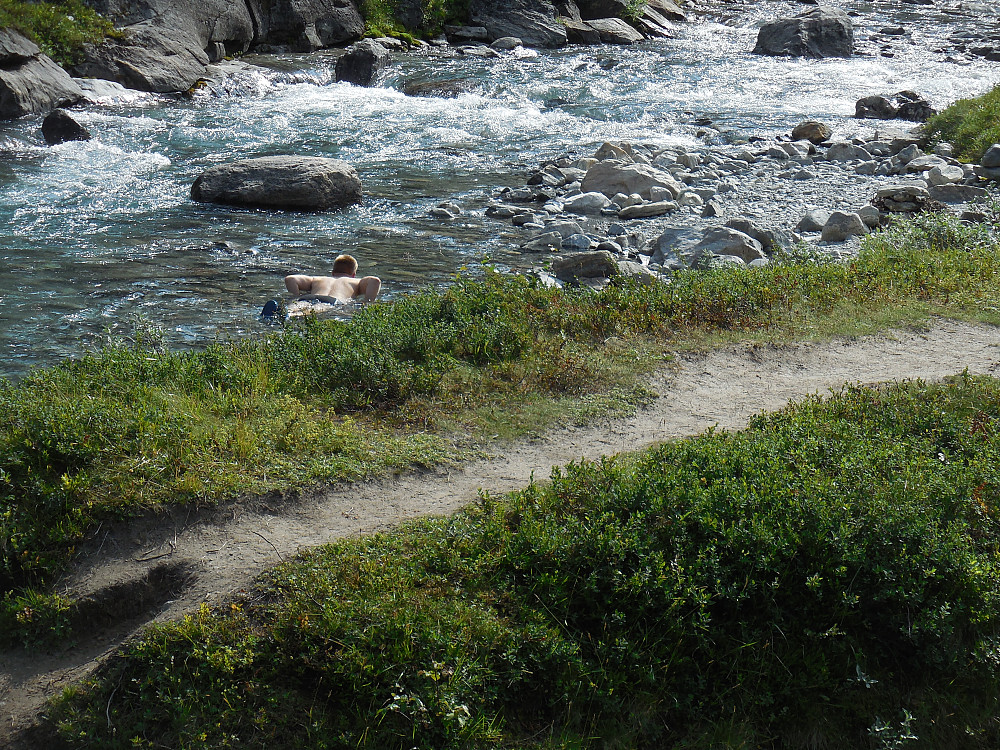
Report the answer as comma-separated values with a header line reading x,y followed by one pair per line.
x,y
637,211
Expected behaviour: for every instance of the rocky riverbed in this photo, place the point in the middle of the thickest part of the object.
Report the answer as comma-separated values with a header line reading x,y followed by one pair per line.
x,y
445,140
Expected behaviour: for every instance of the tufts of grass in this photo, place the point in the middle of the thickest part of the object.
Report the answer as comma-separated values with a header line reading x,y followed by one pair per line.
x,y
61,29
970,125
826,578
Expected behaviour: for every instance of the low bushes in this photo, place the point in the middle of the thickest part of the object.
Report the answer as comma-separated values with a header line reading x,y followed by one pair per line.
x,y
971,125
60,29
130,427
827,578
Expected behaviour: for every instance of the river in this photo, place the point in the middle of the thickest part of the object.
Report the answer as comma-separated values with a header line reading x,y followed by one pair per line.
x,y
102,234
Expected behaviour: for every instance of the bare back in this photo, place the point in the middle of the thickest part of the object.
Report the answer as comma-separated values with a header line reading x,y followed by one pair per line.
x,y
341,287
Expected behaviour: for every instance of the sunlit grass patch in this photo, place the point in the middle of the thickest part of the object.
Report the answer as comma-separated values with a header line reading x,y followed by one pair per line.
x,y
811,581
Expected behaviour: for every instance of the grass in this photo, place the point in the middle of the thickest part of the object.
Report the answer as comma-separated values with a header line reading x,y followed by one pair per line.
x,y
826,578
970,125
416,382
60,29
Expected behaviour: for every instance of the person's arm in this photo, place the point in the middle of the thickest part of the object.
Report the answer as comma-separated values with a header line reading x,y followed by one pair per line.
x,y
369,287
298,284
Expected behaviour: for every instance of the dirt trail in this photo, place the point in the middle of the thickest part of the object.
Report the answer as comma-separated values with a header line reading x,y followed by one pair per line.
x,y
157,570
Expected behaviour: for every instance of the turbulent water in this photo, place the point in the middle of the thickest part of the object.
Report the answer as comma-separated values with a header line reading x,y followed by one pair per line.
x,y
103,233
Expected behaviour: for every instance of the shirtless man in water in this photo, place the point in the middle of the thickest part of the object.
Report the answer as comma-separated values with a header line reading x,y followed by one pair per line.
x,y
339,288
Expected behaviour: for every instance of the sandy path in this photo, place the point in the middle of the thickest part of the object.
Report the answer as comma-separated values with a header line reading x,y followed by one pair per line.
x,y
220,552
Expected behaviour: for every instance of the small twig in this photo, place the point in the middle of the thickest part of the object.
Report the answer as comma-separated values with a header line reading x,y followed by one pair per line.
x,y
280,556
173,548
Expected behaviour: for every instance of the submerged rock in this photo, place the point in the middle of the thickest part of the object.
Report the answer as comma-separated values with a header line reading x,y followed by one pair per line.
x,y
59,127
301,183
363,63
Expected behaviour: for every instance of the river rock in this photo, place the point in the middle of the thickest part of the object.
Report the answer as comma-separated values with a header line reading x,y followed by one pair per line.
x,y
445,89
30,83
812,131
952,193
164,42
532,21
946,174
580,32
597,264
924,162
991,159
302,183
901,198
903,105
59,127
871,216
768,238
466,34
842,225
506,43
647,210
823,31
148,58
363,63
543,243
845,151
726,241
611,177
813,221
615,31
590,202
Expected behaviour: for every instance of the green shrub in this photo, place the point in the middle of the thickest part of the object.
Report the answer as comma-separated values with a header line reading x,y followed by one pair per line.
x,y
970,125
60,29
827,578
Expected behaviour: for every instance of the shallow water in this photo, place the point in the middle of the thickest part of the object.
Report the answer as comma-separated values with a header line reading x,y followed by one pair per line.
x,y
104,232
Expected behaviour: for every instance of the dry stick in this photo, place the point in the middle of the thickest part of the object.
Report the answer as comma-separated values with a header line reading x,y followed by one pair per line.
x,y
276,551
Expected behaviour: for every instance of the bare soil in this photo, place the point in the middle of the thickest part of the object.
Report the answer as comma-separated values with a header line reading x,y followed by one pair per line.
x,y
157,569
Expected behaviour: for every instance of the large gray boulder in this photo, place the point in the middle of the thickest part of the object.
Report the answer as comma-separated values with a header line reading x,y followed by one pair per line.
x,y
306,25
611,177
168,43
301,183
532,21
30,83
148,58
727,241
591,9
363,63
820,32
615,31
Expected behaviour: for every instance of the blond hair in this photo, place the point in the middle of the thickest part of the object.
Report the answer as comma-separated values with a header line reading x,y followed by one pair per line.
x,y
345,264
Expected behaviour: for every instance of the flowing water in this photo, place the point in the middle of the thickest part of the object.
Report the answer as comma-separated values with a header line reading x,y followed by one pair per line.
x,y
103,233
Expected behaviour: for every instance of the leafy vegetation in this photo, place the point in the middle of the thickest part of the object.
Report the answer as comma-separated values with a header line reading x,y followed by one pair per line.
x,y
827,578
60,29
383,17
130,427
970,125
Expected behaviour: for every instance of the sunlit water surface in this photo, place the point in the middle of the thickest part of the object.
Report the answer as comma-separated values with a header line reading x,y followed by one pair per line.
x,y
102,233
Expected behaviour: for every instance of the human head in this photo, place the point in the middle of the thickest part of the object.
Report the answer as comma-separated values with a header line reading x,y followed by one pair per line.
x,y
345,264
